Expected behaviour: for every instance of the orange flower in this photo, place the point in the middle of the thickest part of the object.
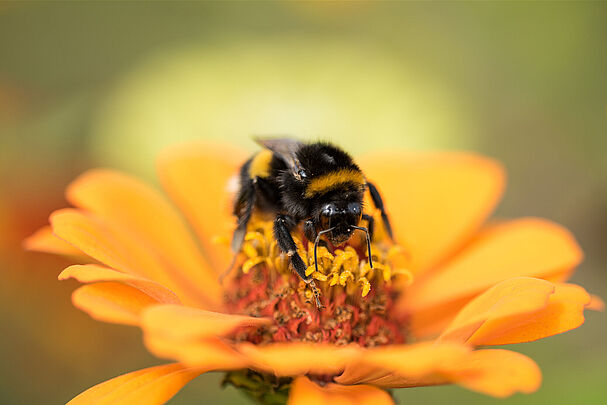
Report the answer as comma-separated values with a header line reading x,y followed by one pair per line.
x,y
474,285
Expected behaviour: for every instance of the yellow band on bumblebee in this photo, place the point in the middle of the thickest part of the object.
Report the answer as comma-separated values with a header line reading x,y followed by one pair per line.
x,y
331,180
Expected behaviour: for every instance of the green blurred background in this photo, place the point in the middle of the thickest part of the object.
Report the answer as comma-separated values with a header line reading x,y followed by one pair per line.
x,y
109,84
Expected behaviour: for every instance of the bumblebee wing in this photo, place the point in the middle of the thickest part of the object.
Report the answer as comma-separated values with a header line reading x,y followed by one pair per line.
x,y
284,148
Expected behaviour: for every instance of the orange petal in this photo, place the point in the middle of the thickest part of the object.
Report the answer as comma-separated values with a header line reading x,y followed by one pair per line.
x,y
395,380
143,211
413,361
299,358
44,241
92,273
435,201
105,243
119,249
596,303
210,352
360,373
526,247
305,392
112,302
564,311
196,177
496,307
181,323
499,373
150,386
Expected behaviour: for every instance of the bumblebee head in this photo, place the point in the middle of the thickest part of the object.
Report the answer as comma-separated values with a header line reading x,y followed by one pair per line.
x,y
342,218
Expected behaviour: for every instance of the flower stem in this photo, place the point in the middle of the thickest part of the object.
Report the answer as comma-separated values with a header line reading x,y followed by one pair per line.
x,y
264,389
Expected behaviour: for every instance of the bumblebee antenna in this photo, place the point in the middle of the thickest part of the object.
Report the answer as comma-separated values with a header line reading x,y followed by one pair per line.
x,y
366,231
316,245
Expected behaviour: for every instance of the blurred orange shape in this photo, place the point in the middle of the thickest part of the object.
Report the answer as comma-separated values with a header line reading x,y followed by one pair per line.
x,y
529,247
152,220
154,385
45,241
499,373
436,201
112,302
305,392
92,273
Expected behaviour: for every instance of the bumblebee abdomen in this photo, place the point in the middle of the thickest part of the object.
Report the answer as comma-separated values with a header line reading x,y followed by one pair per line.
x,y
261,164
259,186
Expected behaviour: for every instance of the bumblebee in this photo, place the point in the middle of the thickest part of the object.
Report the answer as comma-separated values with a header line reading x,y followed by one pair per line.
x,y
317,184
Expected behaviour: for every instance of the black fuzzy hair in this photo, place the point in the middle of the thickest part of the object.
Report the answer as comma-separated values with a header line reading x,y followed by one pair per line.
x,y
316,159
322,157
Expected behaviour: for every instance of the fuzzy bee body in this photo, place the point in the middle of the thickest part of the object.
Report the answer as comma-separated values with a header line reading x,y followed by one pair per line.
x,y
316,184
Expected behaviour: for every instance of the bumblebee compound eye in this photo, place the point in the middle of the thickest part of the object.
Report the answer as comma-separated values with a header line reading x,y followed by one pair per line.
x,y
353,213
326,215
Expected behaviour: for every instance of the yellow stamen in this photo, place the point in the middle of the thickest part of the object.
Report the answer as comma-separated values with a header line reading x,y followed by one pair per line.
x,y
249,264
344,276
249,250
366,286
343,267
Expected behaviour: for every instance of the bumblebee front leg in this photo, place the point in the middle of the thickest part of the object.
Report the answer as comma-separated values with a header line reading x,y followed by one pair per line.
x,y
379,204
283,224
282,232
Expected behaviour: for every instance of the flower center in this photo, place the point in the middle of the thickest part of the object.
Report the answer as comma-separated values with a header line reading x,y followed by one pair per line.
x,y
358,300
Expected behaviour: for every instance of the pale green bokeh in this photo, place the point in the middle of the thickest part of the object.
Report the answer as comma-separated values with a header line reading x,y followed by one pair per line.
x,y
357,96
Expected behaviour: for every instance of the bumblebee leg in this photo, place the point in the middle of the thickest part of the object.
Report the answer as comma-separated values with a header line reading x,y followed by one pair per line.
x,y
371,224
282,232
379,204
